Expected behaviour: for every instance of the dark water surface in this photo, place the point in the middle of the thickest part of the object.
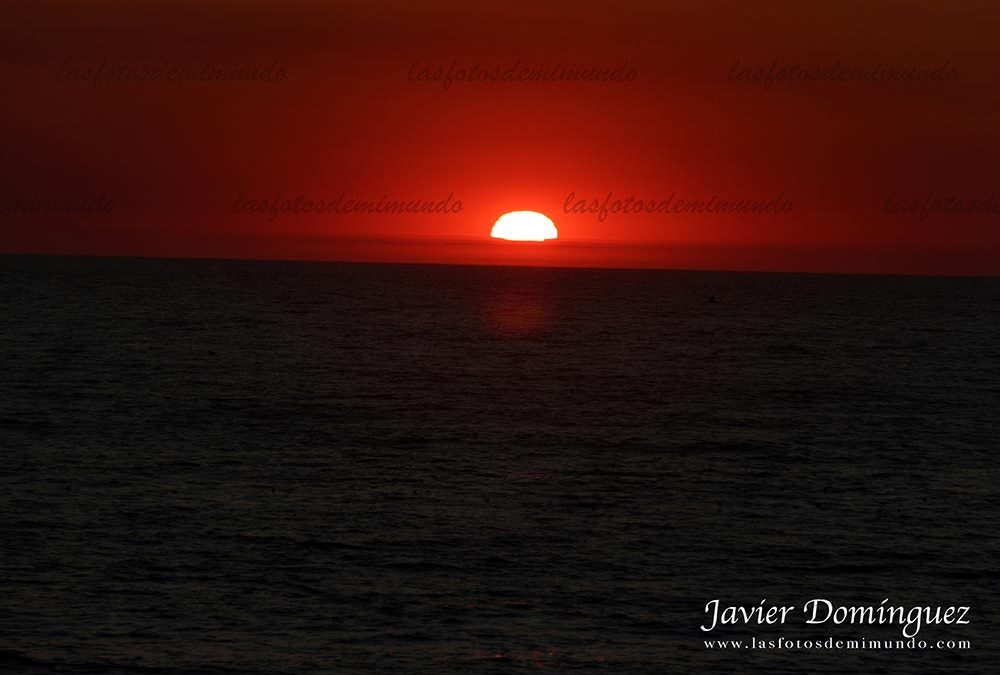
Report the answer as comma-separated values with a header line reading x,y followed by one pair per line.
x,y
304,468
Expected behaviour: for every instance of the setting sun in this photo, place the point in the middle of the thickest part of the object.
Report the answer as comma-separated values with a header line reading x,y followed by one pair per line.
x,y
524,226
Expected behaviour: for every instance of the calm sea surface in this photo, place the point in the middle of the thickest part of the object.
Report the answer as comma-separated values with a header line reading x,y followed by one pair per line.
x,y
310,468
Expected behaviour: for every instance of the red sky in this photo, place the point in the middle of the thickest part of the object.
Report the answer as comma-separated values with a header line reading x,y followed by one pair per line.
x,y
172,157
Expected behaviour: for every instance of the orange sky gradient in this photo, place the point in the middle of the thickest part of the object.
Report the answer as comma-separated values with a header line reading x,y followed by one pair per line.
x,y
349,117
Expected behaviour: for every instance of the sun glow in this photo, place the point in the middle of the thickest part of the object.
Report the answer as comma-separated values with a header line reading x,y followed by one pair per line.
x,y
524,226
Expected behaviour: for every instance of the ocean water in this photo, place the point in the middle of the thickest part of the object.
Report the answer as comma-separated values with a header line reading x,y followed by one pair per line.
x,y
272,467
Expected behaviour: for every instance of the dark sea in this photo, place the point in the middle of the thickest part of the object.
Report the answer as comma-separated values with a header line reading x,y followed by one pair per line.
x,y
277,467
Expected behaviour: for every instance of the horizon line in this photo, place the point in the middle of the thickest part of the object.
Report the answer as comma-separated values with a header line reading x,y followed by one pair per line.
x,y
635,268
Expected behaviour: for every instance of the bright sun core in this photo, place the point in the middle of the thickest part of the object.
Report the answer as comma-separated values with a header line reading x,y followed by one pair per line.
x,y
524,226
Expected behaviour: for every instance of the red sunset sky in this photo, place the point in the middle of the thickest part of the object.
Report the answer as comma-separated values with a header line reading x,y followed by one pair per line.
x,y
347,117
